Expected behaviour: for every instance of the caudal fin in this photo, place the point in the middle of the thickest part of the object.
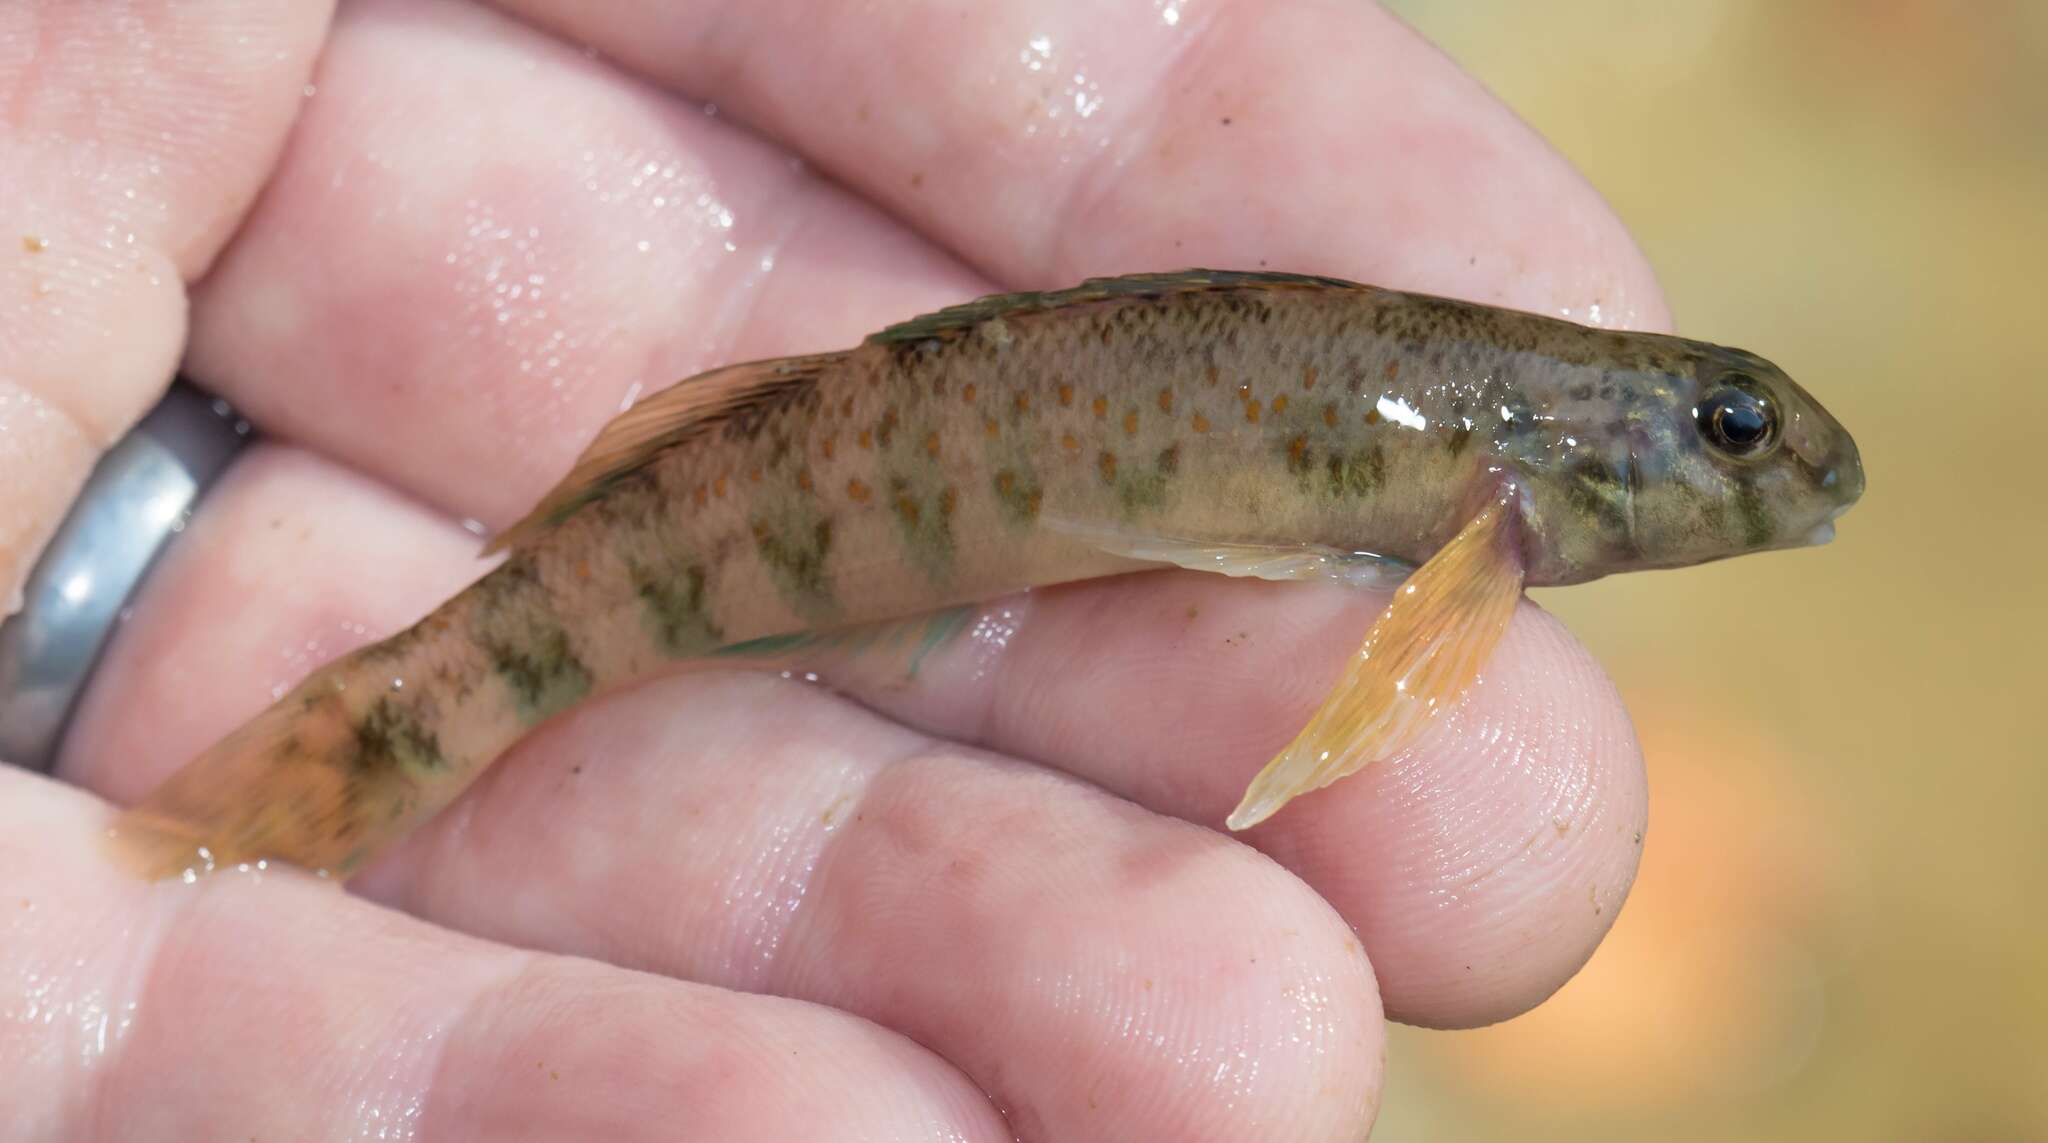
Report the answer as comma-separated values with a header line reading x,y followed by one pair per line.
x,y
289,786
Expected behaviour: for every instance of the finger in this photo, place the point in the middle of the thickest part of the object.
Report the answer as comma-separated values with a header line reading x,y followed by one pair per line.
x,y
269,1005
1104,973
133,140
534,239
1050,141
1101,971
1480,868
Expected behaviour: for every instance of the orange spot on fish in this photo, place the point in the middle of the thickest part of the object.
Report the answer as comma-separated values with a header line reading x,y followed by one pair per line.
x,y
1330,415
718,487
1372,416
583,569
946,501
1131,423
867,438
846,406
1066,395
967,392
931,444
1251,412
907,508
1166,400
1297,451
989,427
1201,423
1023,402
857,491
1006,481
754,475
1308,377
1393,369
1212,375
1244,391
1107,463
700,496
1069,443
1101,407
1280,404
827,447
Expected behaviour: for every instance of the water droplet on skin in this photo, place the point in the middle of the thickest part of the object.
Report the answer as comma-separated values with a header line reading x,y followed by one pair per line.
x,y
473,526
991,634
1036,53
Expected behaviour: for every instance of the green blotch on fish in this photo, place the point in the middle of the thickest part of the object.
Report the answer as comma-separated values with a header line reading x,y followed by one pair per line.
x,y
674,609
922,506
1144,488
541,669
529,649
794,542
389,737
1355,473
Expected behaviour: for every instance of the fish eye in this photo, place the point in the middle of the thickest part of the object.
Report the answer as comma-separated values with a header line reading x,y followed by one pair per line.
x,y
1738,419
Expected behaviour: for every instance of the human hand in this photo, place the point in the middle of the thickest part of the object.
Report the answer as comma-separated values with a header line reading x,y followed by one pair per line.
x,y
961,908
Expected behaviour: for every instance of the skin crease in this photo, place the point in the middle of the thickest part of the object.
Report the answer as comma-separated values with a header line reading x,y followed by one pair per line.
x,y
708,839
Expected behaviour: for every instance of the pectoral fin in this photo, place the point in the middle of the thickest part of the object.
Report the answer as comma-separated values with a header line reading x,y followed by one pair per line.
x,y
1418,659
1253,561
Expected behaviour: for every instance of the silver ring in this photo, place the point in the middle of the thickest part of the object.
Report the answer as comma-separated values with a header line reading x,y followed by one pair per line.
x,y
139,495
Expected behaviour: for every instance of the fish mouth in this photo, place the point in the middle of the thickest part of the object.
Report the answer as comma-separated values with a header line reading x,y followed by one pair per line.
x,y
1824,531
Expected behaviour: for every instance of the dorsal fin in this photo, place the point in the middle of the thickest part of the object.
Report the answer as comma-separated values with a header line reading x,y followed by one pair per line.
x,y
680,413
955,320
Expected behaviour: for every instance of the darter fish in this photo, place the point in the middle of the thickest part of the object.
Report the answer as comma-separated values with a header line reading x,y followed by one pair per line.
x,y
1246,424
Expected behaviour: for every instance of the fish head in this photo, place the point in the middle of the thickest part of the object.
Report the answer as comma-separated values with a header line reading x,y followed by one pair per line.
x,y
1734,458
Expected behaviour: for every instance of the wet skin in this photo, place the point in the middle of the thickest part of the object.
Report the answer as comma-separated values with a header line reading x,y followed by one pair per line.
x,y
997,862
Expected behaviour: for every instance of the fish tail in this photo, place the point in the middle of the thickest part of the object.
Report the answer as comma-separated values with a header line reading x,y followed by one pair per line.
x,y
324,778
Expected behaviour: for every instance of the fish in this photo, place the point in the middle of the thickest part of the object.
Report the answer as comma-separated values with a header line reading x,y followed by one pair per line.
x,y
1259,424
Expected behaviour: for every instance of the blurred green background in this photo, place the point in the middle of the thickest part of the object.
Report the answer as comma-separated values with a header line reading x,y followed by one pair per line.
x,y
1841,926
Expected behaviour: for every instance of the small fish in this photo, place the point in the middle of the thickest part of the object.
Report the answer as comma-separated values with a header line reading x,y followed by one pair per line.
x,y
1246,424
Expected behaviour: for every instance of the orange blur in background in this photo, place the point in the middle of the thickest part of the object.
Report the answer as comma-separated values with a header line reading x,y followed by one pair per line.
x,y
1841,926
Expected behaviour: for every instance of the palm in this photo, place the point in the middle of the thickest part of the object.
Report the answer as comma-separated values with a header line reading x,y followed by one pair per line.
x,y
477,241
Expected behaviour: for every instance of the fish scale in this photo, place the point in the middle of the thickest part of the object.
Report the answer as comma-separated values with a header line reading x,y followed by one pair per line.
x,y
1275,425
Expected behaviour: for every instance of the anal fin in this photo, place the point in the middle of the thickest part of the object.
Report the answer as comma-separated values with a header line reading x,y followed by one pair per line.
x,y
1243,560
1418,659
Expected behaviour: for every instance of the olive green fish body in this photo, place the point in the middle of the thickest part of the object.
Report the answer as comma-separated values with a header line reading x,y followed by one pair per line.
x,y
992,447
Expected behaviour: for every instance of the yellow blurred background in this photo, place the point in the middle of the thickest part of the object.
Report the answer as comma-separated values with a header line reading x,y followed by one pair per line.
x,y
1841,926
